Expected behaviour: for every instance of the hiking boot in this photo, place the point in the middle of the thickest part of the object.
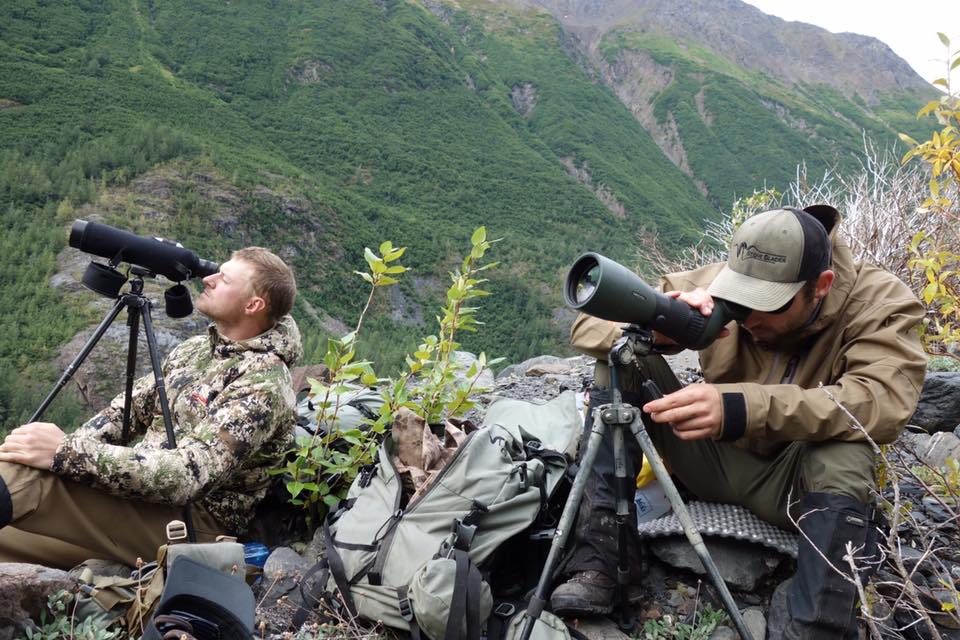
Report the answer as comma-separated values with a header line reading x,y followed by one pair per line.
x,y
586,593
819,603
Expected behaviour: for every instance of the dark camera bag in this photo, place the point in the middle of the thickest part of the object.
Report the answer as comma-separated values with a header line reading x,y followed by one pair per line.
x,y
205,603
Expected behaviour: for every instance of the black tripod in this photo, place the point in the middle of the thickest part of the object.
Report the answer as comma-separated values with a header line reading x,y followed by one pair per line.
x,y
138,306
636,341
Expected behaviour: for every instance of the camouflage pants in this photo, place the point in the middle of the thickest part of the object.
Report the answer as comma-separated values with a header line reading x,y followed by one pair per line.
x,y
713,471
60,523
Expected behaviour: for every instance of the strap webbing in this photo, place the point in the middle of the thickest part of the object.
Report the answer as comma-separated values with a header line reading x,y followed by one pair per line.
x,y
313,594
337,570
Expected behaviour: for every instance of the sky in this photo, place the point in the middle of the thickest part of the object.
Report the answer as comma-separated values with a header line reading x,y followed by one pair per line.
x,y
908,27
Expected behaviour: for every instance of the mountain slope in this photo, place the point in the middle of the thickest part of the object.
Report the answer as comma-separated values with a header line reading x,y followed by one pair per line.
x,y
318,128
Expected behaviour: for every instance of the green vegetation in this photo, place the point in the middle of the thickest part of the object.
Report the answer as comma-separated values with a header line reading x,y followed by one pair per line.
x,y
718,109
935,250
433,384
317,128
699,626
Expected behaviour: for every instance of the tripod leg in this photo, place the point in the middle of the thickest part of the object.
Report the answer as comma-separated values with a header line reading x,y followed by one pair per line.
x,y
133,321
162,398
84,352
639,431
623,511
539,599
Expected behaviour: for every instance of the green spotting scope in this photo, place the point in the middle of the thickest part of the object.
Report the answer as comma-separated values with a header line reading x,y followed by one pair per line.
x,y
606,289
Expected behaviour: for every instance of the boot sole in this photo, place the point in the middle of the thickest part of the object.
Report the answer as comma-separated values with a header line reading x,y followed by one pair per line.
x,y
578,608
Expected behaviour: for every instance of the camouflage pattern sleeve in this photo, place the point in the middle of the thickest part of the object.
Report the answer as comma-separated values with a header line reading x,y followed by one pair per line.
x,y
107,426
235,425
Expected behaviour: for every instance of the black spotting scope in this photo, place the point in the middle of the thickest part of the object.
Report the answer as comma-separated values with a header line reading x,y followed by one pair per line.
x,y
606,289
164,257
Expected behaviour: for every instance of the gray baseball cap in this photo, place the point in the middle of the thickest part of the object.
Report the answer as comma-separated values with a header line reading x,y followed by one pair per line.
x,y
772,254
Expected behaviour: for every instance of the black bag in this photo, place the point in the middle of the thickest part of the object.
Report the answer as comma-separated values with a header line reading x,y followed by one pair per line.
x,y
204,603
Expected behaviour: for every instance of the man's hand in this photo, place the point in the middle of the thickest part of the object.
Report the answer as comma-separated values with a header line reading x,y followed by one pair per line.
x,y
32,445
700,300
695,412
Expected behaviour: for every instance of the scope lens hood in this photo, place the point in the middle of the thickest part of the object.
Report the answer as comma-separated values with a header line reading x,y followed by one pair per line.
x,y
103,279
178,302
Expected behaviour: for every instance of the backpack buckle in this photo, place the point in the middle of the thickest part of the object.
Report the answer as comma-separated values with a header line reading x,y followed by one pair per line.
x,y
367,473
406,611
504,610
533,447
463,535
176,531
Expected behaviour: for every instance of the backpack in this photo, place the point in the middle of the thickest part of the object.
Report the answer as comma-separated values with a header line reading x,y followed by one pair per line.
x,y
129,601
355,408
420,567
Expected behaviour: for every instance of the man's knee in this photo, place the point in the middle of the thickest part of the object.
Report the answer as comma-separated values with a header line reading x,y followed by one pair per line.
x,y
840,468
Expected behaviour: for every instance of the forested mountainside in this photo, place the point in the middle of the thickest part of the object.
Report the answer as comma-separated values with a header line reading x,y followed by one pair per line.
x,y
317,128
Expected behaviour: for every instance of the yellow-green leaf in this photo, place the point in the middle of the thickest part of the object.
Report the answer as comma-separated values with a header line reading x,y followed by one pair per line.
x,y
943,38
385,247
908,139
394,254
479,235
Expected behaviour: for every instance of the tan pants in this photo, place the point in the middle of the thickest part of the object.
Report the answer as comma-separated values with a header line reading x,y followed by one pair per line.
x,y
60,523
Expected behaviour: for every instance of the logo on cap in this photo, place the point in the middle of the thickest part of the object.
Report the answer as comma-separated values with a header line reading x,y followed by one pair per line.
x,y
753,252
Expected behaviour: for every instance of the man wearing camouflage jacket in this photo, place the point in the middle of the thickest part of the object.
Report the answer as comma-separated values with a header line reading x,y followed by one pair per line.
x,y
65,498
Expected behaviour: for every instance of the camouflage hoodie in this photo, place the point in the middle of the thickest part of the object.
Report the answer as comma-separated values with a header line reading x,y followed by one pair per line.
x,y
232,406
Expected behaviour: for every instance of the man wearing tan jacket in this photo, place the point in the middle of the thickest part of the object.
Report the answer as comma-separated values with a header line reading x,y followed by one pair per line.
x,y
759,432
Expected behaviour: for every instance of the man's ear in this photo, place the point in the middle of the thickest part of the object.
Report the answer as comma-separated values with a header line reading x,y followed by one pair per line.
x,y
824,282
255,305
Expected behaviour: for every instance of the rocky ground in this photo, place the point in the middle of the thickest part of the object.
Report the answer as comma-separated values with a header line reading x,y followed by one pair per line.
x,y
676,599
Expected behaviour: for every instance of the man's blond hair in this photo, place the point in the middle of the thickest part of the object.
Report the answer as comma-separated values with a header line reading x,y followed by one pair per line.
x,y
272,280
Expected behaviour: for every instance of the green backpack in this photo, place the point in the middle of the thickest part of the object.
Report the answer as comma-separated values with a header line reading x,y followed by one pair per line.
x,y
420,567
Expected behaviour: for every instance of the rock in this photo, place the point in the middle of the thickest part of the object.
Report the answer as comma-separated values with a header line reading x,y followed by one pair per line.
x,y
315,549
281,573
756,622
521,369
724,633
933,449
741,564
24,589
548,369
300,375
939,405
484,379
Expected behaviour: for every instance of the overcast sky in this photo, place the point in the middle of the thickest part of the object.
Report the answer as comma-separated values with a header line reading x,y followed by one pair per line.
x,y
908,27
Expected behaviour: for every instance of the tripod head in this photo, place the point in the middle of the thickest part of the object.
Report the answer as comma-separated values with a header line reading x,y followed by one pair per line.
x,y
636,342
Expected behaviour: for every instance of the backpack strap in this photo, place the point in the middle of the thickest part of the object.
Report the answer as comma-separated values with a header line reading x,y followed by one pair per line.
x,y
465,603
336,569
364,410
313,594
375,573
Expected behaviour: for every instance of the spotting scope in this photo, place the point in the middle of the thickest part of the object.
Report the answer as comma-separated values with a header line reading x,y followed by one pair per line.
x,y
165,257
606,289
